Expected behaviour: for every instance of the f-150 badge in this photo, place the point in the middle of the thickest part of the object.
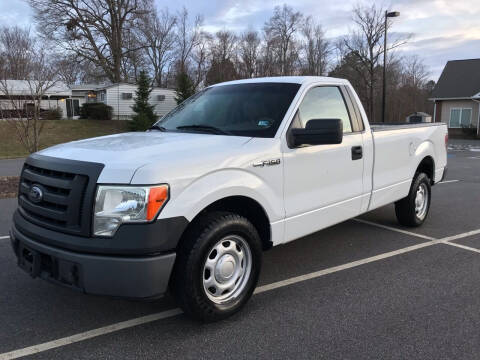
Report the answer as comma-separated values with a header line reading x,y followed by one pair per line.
x,y
267,163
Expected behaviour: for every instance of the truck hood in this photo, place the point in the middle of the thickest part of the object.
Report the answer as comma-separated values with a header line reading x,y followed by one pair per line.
x,y
123,154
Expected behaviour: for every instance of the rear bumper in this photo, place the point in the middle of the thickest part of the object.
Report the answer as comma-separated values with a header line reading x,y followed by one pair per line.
x,y
138,277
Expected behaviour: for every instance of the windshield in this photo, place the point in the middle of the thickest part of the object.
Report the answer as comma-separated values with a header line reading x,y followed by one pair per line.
x,y
252,109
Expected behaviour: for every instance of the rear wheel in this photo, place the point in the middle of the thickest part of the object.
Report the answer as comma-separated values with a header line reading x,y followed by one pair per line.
x,y
413,209
217,266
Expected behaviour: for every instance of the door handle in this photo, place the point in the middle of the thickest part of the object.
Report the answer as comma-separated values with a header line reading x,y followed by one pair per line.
x,y
357,152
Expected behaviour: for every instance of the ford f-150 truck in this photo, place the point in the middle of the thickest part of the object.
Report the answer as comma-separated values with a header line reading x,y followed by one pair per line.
x,y
191,204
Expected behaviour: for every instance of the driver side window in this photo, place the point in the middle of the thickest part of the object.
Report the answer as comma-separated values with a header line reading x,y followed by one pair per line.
x,y
323,102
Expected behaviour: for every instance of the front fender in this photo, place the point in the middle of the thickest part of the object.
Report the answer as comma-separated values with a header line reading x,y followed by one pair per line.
x,y
216,185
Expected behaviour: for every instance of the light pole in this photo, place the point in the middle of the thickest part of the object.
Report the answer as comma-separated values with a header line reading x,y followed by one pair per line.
x,y
387,15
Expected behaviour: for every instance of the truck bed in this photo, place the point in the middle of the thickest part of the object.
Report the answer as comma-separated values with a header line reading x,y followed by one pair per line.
x,y
398,149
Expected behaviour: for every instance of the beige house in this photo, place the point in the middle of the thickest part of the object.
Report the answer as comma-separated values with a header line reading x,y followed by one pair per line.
x,y
457,97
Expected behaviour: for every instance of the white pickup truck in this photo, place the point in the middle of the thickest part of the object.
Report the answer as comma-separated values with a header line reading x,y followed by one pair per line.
x,y
236,169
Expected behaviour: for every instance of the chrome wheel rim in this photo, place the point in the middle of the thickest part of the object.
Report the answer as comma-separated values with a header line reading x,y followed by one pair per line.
x,y
421,201
227,269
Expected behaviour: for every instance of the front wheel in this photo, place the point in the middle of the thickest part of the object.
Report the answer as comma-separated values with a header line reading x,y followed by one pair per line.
x,y
217,266
413,209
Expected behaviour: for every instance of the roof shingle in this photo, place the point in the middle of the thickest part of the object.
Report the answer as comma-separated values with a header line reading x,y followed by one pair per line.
x,y
459,79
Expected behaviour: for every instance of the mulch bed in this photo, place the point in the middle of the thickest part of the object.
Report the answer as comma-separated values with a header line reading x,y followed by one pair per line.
x,y
8,186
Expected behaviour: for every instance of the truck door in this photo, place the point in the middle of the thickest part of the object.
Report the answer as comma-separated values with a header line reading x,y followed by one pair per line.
x,y
323,183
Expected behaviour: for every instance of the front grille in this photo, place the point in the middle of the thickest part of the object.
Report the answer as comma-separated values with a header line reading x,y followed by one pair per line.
x,y
67,189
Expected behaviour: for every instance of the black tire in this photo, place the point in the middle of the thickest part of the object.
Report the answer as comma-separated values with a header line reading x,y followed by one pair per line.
x,y
188,274
405,208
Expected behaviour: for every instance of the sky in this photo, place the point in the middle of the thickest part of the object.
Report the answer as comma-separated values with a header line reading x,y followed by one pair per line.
x,y
441,30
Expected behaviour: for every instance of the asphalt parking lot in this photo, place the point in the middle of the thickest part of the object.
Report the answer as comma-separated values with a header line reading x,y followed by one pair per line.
x,y
366,288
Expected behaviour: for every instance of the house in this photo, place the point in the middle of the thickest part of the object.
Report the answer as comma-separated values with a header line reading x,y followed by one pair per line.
x,y
457,96
17,95
121,97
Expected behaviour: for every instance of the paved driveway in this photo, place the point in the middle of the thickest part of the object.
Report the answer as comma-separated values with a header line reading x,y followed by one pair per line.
x,y
363,289
11,167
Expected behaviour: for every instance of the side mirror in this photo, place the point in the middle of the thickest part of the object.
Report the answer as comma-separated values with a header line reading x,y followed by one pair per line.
x,y
317,132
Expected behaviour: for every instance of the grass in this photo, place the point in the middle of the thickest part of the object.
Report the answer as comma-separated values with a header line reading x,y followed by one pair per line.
x,y
57,132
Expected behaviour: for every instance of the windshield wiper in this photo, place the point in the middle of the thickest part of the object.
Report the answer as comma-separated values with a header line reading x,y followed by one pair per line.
x,y
158,127
207,128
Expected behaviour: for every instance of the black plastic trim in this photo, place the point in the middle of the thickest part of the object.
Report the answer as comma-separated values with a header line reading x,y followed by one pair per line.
x,y
125,277
130,239
83,185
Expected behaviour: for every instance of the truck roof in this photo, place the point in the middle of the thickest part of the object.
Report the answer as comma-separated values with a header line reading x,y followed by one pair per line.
x,y
289,79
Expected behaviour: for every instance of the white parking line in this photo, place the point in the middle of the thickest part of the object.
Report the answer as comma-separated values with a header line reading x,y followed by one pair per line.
x,y
89,334
4,237
462,235
391,228
170,313
334,269
448,181
261,289
461,246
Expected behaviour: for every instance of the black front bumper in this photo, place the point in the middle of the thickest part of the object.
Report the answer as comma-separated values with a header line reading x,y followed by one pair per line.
x,y
135,263
120,276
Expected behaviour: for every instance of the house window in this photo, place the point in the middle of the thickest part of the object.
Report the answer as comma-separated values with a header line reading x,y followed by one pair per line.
x,y
460,117
126,96
102,96
161,97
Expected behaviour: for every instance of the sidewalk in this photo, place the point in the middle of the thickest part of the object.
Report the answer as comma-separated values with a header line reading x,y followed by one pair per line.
x,y
11,167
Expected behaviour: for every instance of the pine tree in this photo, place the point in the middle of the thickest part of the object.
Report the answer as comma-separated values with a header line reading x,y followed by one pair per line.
x,y
145,114
185,87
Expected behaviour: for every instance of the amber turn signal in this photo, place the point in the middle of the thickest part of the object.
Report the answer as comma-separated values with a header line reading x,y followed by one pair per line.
x,y
157,197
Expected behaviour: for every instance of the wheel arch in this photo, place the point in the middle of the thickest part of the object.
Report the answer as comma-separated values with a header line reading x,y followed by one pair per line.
x,y
246,207
427,166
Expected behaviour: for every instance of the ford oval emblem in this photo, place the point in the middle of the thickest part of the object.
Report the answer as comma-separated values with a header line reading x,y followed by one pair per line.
x,y
35,194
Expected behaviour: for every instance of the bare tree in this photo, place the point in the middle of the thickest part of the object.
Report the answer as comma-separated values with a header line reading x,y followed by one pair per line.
x,y
268,60
414,76
158,33
281,28
15,51
223,58
188,36
224,45
199,58
249,53
316,49
134,61
71,70
415,72
366,43
94,30
21,100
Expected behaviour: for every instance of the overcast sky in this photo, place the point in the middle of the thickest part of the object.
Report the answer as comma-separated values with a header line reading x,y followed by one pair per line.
x,y
442,29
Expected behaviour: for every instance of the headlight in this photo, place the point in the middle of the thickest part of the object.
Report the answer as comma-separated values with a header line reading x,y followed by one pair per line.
x,y
115,205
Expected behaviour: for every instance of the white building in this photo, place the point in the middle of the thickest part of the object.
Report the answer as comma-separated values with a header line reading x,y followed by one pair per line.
x,y
17,95
121,97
